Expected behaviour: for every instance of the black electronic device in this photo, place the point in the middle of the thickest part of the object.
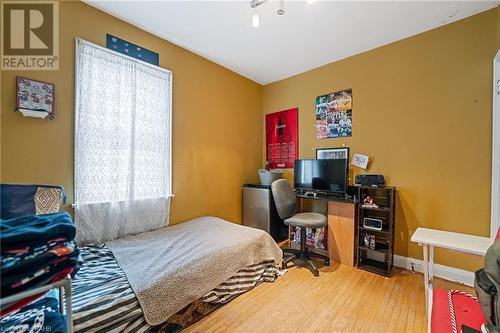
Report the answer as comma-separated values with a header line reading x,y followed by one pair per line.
x,y
371,223
468,329
321,175
370,180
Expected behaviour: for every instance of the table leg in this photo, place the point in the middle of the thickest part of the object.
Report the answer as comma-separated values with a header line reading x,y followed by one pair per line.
x,y
431,280
431,262
426,280
61,300
69,306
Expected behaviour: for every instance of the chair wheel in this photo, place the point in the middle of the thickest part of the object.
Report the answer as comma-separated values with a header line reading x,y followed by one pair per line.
x,y
283,265
327,262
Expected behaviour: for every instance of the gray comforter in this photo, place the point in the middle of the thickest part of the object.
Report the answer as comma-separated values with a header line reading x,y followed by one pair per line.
x,y
171,267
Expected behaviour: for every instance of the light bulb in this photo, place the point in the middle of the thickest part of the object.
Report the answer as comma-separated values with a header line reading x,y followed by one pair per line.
x,y
311,1
281,7
255,19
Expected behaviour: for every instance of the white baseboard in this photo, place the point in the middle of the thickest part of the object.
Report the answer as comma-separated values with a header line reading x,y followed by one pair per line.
x,y
445,272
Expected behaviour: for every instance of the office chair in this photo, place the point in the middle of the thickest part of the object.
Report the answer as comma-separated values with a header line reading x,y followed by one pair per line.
x,y
286,201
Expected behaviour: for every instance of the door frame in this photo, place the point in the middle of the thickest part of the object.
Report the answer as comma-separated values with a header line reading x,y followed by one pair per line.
x,y
495,148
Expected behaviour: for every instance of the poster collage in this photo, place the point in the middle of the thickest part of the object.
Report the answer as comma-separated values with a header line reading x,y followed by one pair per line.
x,y
333,120
334,115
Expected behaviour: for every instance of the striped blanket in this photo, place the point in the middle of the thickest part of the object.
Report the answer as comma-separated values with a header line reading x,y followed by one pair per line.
x,y
103,300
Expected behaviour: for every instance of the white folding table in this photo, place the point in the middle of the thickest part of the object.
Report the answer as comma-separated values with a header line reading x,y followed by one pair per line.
x,y
430,238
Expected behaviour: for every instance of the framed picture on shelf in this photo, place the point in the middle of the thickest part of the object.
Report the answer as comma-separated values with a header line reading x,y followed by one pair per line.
x,y
332,153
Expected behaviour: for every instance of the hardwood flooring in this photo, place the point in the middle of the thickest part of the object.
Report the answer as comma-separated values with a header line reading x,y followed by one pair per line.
x,y
341,299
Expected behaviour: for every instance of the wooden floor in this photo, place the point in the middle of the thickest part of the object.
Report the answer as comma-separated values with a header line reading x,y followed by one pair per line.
x,y
342,299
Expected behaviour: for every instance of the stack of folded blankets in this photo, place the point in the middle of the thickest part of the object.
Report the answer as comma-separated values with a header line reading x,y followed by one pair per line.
x,y
36,250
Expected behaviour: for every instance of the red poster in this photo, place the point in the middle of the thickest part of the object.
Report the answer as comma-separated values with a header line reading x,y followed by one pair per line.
x,y
282,146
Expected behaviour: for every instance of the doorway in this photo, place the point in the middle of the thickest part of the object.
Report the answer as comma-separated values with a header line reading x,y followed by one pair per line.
x,y
495,167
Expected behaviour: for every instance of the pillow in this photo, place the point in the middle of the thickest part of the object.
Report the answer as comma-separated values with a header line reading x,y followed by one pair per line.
x,y
48,199
97,223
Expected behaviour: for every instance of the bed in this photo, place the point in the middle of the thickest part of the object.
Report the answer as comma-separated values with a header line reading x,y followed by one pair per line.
x,y
184,271
206,262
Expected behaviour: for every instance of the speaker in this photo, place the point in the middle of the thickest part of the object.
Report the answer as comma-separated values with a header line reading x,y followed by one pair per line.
x,y
373,224
370,180
352,190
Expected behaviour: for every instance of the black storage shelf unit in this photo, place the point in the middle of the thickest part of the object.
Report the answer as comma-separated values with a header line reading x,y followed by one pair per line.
x,y
379,259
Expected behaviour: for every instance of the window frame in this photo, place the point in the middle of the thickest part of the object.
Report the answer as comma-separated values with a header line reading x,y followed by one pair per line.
x,y
495,150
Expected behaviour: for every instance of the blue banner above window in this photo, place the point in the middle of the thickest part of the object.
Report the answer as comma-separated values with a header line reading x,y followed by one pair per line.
x,y
132,50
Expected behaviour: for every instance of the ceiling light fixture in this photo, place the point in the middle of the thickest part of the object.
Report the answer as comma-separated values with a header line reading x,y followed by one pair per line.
x,y
311,1
255,15
255,18
281,7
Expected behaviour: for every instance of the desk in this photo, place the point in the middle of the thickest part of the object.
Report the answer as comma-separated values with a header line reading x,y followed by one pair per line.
x,y
429,238
341,213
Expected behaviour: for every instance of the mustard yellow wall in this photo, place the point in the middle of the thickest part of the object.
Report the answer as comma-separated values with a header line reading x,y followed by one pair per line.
x,y
217,139
422,112
498,27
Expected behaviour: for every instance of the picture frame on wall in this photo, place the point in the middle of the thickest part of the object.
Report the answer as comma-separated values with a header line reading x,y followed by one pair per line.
x,y
35,98
334,114
332,153
282,138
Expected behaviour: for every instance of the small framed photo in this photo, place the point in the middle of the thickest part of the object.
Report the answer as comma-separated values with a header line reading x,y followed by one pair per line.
x,y
35,98
341,153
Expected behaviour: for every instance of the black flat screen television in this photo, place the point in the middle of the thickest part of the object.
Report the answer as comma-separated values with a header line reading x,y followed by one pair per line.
x,y
321,175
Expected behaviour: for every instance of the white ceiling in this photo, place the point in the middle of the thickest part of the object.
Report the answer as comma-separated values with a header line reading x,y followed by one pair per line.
x,y
307,36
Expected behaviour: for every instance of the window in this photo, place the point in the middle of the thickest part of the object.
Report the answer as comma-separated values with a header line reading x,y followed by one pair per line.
x,y
122,130
122,133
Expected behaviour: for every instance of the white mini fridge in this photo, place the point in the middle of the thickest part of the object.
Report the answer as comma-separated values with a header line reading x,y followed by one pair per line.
x,y
259,211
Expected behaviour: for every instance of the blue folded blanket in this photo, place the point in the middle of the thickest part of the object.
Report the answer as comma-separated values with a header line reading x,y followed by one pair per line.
x,y
39,275
30,231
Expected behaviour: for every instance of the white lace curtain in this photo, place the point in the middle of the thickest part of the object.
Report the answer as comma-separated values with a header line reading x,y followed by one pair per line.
x,y
122,145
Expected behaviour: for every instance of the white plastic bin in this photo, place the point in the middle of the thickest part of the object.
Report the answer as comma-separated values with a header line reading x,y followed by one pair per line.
x,y
267,177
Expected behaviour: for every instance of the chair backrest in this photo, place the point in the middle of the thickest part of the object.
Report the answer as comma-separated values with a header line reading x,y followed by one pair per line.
x,y
284,198
24,199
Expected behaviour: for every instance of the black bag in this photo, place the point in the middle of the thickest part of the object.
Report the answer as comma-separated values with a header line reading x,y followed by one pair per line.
x,y
487,284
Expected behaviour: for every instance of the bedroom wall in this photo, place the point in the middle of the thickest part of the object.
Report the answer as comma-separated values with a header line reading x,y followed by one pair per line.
x,y
498,27
422,112
217,133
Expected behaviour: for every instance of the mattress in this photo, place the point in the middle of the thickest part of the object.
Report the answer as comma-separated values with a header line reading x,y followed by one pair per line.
x,y
103,300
